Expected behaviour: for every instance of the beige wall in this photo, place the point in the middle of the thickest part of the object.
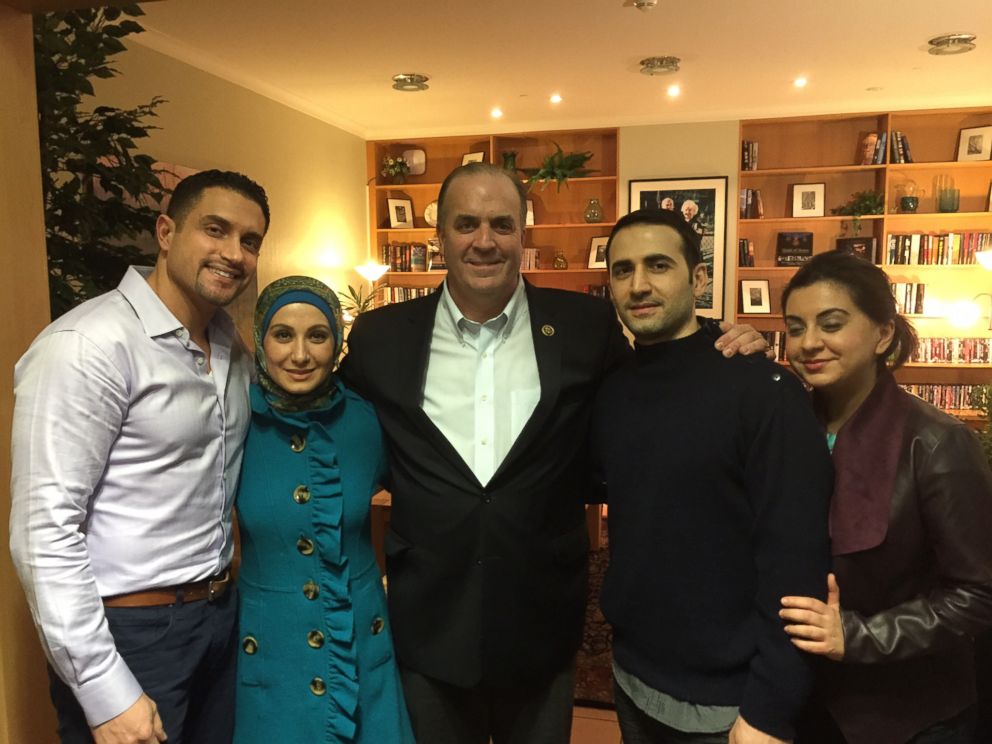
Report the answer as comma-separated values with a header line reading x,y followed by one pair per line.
x,y
25,714
680,151
314,173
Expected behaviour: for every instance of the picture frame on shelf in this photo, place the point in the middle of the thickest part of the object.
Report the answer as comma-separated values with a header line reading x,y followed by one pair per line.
x,y
597,252
416,159
702,200
975,143
474,157
529,222
756,297
807,199
400,213
863,247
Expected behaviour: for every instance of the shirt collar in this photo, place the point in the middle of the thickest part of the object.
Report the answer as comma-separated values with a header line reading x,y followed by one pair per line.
x,y
502,322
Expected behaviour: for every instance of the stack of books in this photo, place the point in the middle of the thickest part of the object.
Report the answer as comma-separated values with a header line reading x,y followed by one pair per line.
x,y
909,296
900,148
745,252
937,248
749,155
750,206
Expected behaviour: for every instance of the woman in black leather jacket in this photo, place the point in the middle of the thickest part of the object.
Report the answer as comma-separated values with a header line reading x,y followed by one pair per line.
x,y
910,521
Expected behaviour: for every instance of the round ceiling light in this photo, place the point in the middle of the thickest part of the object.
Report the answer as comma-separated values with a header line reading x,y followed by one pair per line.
x,y
951,44
410,82
659,65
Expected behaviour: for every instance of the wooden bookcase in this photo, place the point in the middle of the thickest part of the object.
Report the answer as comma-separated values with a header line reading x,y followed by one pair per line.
x,y
828,150
558,214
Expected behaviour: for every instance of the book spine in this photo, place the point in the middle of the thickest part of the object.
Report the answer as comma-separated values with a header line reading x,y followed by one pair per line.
x,y
905,147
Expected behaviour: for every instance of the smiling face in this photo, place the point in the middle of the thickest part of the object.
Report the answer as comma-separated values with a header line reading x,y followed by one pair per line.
x,y
482,240
689,210
653,289
830,342
299,348
210,255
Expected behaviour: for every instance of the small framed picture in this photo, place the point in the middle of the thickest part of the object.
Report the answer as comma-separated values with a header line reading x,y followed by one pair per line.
x,y
975,143
530,214
807,199
755,296
400,213
597,252
474,157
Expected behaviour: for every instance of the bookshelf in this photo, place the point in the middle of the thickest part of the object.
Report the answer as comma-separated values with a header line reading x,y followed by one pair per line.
x,y
558,214
829,150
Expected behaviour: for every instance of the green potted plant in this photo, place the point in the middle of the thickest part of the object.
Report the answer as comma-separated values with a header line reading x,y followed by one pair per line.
x,y
395,168
559,166
861,202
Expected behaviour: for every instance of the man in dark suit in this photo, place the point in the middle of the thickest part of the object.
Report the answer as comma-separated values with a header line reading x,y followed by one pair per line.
x,y
484,390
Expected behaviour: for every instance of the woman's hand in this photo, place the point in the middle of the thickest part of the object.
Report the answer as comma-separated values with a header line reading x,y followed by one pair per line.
x,y
816,627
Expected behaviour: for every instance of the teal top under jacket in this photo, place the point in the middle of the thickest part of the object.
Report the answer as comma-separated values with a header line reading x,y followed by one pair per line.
x,y
316,660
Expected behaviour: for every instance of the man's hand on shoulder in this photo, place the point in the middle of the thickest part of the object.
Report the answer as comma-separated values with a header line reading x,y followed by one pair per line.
x,y
742,339
139,724
744,733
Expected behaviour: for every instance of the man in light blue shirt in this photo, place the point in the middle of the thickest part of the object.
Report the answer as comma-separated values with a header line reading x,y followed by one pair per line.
x,y
129,423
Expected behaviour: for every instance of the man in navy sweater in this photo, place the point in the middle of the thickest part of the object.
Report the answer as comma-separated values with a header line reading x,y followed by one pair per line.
x,y
718,482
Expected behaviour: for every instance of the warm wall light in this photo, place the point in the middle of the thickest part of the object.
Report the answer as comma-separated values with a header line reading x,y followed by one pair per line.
x,y
496,113
371,271
984,258
800,82
674,91
966,313
555,98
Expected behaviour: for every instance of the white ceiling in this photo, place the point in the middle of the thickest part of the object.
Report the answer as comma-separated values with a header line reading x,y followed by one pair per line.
x,y
333,59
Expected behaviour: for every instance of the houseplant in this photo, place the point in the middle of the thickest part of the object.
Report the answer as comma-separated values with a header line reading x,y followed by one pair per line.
x,y
100,194
861,202
559,166
395,168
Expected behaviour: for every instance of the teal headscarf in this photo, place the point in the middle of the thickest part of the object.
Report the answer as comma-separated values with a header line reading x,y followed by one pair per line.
x,y
284,292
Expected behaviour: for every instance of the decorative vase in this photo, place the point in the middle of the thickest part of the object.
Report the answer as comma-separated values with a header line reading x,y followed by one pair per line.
x,y
560,262
510,160
594,212
399,178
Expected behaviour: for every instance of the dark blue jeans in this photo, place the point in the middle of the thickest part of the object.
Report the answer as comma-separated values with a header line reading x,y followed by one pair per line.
x,y
184,656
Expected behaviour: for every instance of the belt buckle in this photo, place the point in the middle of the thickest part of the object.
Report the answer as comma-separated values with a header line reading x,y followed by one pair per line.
x,y
216,587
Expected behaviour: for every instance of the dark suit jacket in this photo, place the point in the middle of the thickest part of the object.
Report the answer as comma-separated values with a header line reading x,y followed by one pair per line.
x,y
488,584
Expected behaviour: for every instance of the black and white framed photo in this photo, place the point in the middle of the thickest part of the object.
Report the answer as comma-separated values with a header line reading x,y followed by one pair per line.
x,y
400,213
529,222
702,201
755,296
975,143
807,199
473,157
597,252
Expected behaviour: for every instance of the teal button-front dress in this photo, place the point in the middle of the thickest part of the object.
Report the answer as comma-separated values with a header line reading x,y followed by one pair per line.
x,y
316,662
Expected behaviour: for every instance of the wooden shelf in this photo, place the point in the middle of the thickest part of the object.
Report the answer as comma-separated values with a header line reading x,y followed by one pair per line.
x,y
812,171
808,220
939,165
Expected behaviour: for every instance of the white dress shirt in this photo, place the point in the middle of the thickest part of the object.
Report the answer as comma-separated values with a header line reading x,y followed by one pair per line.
x,y
482,381
126,454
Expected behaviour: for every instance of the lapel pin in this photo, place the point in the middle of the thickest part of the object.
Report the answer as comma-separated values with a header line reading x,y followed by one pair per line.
x,y
548,330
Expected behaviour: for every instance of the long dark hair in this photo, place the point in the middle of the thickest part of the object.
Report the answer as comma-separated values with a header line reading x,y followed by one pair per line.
x,y
871,293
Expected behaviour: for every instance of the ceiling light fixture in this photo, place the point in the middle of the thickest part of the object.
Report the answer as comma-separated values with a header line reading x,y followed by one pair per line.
x,y
800,82
645,5
410,82
659,65
496,113
674,91
555,98
951,44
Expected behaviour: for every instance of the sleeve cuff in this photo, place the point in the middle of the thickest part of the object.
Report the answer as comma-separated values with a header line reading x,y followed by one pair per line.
x,y
110,694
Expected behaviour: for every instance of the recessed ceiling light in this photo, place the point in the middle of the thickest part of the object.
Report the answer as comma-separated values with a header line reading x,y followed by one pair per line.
x,y
555,98
410,82
674,91
644,5
874,88
951,44
800,82
659,65
496,113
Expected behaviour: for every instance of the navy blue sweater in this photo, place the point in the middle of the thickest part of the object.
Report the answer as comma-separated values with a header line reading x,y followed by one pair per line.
x,y
718,483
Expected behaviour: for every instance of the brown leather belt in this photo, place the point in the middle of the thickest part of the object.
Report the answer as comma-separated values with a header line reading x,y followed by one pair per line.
x,y
209,589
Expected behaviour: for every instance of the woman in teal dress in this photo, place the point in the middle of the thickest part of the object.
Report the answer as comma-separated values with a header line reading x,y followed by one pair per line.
x,y
316,661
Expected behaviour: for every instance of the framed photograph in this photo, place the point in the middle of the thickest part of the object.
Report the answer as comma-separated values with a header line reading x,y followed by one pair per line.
x,y
807,199
597,252
975,143
530,214
400,213
703,203
755,296
474,157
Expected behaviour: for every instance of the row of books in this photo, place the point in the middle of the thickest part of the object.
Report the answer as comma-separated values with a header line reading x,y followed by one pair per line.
x,y
795,249
948,397
751,207
402,294
954,351
749,155
910,296
530,259
409,257
776,342
873,148
900,149
745,252
936,248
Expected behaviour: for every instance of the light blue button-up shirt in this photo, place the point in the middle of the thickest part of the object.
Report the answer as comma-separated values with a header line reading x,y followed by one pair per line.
x,y
126,451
